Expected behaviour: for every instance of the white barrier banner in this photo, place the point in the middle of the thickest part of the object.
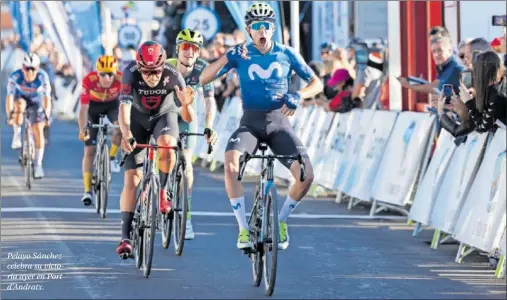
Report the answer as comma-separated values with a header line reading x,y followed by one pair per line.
x,y
480,219
360,181
321,166
402,158
345,147
320,131
228,123
428,188
338,147
357,140
503,242
457,179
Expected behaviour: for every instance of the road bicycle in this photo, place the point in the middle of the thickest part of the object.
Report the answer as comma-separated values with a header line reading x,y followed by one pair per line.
x,y
27,151
101,175
177,217
145,222
263,222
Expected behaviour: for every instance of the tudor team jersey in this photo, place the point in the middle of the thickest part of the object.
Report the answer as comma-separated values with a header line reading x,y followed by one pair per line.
x,y
263,76
34,91
147,100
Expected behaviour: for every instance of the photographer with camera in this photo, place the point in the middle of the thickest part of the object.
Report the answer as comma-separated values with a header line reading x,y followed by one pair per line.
x,y
482,111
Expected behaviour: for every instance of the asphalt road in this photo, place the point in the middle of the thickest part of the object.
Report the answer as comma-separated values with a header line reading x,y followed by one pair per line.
x,y
71,250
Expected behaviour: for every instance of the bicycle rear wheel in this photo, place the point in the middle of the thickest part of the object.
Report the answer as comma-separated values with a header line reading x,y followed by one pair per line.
x,y
254,224
150,220
180,208
104,183
270,228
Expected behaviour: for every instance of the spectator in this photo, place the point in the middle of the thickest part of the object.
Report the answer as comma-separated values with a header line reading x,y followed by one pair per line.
x,y
343,83
498,45
461,48
369,74
477,44
449,68
489,104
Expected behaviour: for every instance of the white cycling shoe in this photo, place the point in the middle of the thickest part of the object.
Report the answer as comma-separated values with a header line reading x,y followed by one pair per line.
x,y
38,173
189,232
115,166
16,142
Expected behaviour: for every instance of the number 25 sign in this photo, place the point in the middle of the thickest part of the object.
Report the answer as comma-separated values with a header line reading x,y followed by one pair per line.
x,y
202,19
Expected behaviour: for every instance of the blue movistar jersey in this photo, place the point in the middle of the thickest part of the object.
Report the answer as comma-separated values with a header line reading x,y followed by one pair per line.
x,y
264,76
34,91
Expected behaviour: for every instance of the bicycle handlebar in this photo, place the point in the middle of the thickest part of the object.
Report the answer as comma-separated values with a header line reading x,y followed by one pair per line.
x,y
245,157
207,132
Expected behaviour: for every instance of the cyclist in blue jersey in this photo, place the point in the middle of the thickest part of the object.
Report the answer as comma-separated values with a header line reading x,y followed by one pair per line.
x,y
31,84
264,68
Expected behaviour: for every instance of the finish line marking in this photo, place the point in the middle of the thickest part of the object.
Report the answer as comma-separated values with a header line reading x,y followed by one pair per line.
x,y
195,213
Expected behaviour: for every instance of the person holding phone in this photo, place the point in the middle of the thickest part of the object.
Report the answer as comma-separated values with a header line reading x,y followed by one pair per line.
x,y
482,111
449,69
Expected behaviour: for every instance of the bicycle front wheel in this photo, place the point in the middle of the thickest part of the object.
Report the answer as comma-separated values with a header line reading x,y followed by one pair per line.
x,y
150,226
254,223
270,229
180,210
104,183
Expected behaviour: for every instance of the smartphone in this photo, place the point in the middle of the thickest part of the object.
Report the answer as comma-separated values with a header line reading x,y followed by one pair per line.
x,y
361,54
498,20
466,78
447,93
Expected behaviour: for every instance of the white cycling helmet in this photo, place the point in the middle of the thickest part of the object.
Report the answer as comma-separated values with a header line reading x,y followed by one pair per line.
x,y
31,60
259,12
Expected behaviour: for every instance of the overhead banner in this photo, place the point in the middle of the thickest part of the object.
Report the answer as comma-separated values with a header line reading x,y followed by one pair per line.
x,y
87,20
21,12
365,166
403,156
480,220
428,188
457,180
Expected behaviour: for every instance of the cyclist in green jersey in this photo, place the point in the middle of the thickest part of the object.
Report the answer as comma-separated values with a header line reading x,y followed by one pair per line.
x,y
188,63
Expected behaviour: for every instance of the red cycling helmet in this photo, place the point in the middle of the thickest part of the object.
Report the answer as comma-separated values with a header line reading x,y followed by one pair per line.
x,y
151,55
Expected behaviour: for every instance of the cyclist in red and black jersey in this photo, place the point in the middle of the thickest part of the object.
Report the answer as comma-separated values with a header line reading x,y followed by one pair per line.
x,y
152,94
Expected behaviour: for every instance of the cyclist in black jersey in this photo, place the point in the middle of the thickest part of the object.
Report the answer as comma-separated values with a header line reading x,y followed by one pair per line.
x,y
152,95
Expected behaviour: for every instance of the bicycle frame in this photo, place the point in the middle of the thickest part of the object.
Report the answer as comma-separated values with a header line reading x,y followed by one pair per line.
x,y
267,175
101,135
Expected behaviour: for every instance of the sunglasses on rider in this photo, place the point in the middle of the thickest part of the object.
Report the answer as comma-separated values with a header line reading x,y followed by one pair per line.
x,y
29,69
104,74
188,46
259,25
151,72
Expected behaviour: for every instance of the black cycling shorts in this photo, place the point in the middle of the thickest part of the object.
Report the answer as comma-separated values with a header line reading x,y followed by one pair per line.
x,y
271,127
95,109
142,128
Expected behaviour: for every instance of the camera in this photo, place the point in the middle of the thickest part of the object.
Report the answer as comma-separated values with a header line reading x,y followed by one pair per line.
x,y
499,20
